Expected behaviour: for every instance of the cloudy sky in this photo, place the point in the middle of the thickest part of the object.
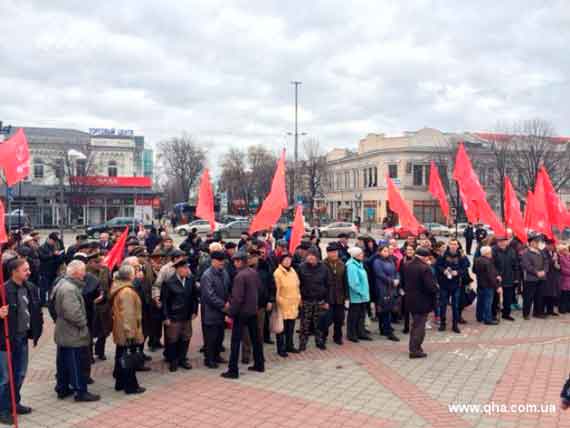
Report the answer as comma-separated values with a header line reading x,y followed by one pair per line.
x,y
221,69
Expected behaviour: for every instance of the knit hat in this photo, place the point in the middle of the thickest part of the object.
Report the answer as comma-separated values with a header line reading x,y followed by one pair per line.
x,y
354,251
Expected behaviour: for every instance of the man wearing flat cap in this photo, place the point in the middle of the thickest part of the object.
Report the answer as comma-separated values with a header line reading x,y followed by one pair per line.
x,y
243,310
214,290
337,291
179,297
535,269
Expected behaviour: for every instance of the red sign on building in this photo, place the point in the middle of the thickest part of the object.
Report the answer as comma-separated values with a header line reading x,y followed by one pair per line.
x,y
103,181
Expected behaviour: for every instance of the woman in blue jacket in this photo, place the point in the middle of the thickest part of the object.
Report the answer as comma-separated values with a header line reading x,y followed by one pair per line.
x,y
386,280
359,295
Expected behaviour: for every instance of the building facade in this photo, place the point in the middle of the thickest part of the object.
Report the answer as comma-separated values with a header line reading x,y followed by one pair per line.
x,y
80,178
356,185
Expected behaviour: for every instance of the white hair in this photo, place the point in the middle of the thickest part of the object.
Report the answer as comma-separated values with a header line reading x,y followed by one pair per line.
x,y
126,272
131,261
74,267
486,250
215,246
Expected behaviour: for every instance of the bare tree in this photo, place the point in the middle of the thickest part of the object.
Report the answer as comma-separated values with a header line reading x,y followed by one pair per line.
x,y
534,146
314,171
261,164
235,177
501,147
181,159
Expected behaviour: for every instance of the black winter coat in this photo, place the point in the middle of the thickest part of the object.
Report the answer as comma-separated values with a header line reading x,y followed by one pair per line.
x,y
267,291
243,300
314,282
214,292
36,316
49,262
507,264
179,300
421,287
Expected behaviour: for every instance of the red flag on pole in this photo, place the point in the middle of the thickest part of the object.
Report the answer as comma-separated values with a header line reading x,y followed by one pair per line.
x,y
6,331
437,191
513,215
554,205
298,229
117,253
399,206
274,203
15,158
540,219
205,206
465,175
469,206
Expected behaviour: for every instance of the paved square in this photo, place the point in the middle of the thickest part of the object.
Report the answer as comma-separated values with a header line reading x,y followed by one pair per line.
x,y
371,384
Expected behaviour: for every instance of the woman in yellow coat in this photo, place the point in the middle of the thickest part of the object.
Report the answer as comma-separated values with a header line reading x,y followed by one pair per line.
x,y
288,299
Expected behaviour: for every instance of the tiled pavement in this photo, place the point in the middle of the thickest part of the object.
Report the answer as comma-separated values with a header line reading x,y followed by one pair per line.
x,y
371,384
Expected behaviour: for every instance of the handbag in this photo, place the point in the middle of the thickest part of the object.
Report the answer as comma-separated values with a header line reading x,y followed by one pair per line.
x,y
276,321
131,359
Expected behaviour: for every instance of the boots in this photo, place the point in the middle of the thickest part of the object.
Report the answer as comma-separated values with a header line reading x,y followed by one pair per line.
x,y
442,324
455,328
182,354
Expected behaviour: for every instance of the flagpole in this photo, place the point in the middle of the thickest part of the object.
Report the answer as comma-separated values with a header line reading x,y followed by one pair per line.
x,y
8,352
457,211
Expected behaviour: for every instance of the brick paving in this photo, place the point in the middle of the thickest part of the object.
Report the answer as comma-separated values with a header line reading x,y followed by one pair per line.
x,y
371,384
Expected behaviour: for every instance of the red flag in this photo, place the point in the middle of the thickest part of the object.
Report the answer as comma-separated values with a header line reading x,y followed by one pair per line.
x,y
555,206
205,206
437,190
15,158
399,206
529,210
3,235
298,229
513,215
274,203
469,206
465,175
540,219
116,254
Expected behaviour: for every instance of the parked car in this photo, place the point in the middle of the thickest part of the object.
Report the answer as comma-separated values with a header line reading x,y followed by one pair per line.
x,y
229,218
437,229
202,227
116,223
14,220
334,229
234,229
401,232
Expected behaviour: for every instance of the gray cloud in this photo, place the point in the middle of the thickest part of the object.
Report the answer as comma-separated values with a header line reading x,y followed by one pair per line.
x,y
221,69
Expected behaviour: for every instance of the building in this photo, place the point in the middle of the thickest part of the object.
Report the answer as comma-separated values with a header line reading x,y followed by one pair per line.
x,y
80,178
356,185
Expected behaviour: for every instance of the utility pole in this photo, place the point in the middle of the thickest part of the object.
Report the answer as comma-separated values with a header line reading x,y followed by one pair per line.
x,y
296,134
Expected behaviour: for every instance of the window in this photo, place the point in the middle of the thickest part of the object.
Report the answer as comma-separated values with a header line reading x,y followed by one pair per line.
x,y
375,175
418,171
59,168
365,178
81,167
393,171
490,176
112,169
38,168
483,177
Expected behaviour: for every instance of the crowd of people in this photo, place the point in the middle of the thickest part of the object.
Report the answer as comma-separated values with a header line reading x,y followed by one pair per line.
x,y
258,289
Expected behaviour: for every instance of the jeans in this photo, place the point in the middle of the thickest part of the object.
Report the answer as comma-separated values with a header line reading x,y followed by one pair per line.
x,y
385,323
249,323
70,370
19,367
444,295
484,304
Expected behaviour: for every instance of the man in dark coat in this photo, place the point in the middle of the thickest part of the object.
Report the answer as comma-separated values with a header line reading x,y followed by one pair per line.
x,y
214,289
243,310
179,297
506,262
469,235
535,267
313,276
80,245
24,317
337,292
480,234
487,283
550,292
51,258
421,292
451,268
29,250
343,247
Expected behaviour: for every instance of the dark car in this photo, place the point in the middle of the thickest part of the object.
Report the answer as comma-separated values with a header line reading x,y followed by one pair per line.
x,y
234,229
117,223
